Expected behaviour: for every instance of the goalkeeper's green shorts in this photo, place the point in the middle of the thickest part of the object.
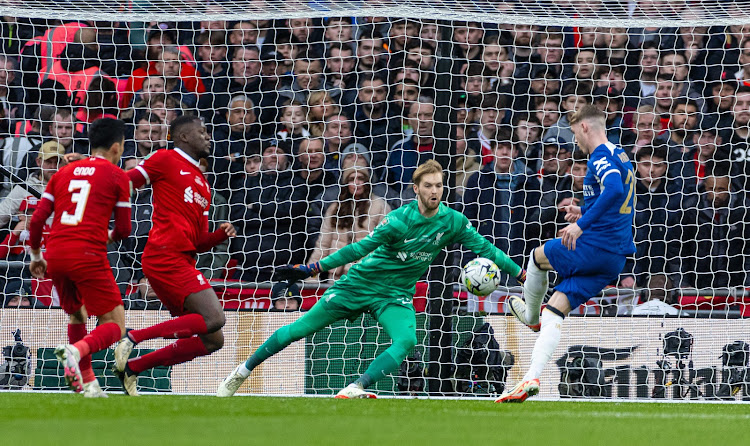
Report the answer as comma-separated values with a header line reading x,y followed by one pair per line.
x,y
347,302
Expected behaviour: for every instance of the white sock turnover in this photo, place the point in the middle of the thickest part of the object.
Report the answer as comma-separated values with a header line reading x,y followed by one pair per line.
x,y
534,289
549,337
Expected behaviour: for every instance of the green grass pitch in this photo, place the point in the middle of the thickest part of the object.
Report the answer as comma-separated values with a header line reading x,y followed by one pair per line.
x,y
67,419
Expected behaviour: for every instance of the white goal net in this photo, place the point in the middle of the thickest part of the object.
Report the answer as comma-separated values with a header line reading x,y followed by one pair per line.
x,y
319,113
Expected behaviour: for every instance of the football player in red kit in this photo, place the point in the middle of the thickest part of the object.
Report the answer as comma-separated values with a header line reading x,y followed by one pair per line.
x,y
83,196
181,198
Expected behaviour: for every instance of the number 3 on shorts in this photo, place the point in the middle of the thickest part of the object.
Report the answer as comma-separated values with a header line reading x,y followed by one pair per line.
x,y
79,198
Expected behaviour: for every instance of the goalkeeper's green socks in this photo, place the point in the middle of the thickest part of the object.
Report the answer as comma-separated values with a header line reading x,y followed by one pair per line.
x,y
534,289
383,365
265,351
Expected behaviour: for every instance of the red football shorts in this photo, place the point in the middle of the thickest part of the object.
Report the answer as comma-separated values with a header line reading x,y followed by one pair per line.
x,y
173,277
86,280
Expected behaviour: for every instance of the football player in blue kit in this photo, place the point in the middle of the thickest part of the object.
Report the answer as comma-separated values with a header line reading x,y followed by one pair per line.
x,y
589,255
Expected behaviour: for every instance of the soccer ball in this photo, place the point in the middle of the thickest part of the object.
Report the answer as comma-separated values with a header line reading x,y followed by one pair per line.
x,y
481,276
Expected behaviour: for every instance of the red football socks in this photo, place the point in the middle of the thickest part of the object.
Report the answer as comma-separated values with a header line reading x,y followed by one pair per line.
x,y
181,327
76,332
180,351
100,338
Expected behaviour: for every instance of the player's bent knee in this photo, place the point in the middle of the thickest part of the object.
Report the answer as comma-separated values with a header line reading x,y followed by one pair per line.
x,y
214,321
214,341
405,345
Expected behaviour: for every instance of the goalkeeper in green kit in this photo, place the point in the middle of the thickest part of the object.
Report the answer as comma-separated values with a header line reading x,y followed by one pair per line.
x,y
394,257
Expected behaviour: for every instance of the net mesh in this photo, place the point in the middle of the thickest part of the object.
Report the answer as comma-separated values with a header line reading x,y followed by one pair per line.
x,y
320,111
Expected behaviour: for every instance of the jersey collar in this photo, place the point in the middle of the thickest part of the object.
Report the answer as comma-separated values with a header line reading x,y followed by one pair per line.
x,y
187,157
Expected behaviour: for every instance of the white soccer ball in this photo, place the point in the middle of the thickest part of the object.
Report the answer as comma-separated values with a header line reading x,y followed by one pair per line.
x,y
481,276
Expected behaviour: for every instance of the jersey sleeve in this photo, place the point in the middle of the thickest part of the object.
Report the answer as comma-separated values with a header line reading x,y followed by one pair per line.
x,y
41,214
123,224
468,236
148,170
387,231
610,185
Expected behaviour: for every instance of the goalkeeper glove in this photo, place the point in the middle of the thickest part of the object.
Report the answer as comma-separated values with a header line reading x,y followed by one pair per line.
x,y
521,277
294,273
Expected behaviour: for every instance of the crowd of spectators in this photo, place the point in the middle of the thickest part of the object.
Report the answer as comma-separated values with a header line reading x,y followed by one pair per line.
x,y
318,125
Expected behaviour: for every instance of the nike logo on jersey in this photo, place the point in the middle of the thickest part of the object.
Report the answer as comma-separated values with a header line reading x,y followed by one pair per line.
x,y
409,240
182,172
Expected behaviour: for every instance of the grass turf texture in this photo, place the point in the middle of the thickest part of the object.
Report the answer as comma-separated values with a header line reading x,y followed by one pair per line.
x,y
39,419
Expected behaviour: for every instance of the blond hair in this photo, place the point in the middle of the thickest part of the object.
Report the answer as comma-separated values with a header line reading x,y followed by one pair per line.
x,y
588,112
428,167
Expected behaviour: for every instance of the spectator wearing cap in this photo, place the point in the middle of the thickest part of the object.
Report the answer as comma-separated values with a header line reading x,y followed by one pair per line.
x,y
285,297
503,201
233,141
715,252
269,211
337,134
243,79
556,182
410,152
351,218
739,143
658,213
574,96
50,157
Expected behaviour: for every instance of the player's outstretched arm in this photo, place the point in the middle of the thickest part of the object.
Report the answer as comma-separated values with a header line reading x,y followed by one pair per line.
x,y
471,239
38,265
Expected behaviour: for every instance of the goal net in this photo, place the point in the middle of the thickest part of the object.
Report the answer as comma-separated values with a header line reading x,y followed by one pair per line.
x,y
319,113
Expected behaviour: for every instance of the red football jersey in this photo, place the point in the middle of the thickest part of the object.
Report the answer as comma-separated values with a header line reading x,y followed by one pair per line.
x,y
85,194
181,198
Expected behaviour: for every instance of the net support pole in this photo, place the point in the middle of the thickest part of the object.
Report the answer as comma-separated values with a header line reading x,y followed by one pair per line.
x,y
440,305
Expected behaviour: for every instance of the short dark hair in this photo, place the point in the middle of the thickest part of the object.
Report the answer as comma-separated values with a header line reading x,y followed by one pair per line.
x,y
656,151
104,132
182,121
579,157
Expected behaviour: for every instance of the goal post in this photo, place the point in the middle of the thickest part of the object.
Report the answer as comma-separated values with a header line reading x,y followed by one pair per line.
x,y
309,103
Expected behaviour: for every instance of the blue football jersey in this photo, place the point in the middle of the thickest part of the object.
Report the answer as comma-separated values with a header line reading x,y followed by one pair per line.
x,y
613,229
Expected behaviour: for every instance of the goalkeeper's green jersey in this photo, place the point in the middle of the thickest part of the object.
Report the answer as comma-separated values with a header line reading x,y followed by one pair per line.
x,y
401,248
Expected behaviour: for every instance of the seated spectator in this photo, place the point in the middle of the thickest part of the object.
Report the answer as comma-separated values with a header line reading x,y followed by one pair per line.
x,y
407,154
243,78
320,106
739,144
556,182
340,72
527,135
212,53
308,77
338,30
491,112
269,214
709,147
502,201
351,218
337,135
500,67
643,84
166,107
12,96
369,53
574,96
714,234
180,77
313,178
547,111
372,121
647,131
232,141
49,158
285,297
476,84
405,93
658,211
150,134
292,128
61,130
